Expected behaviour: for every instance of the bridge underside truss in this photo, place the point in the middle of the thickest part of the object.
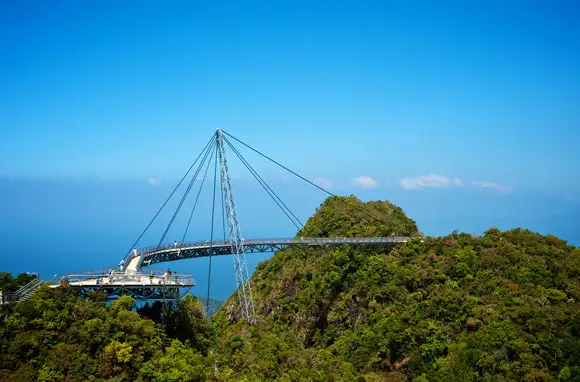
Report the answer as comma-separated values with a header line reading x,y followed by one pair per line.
x,y
192,253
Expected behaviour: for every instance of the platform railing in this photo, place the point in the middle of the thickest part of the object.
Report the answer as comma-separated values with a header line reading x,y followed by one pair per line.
x,y
26,288
22,293
117,278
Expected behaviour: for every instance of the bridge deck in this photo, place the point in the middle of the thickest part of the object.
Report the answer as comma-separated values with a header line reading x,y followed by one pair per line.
x,y
173,252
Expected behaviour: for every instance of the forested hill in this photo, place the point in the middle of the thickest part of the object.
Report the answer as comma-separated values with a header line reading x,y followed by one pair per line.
x,y
57,336
500,307
458,308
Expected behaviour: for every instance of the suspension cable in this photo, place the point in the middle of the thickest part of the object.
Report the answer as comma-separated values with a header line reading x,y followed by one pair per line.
x,y
223,211
293,218
256,175
281,165
262,183
185,195
299,176
195,204
171,195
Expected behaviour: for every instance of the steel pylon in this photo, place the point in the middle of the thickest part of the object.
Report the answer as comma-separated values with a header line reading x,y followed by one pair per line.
x,y
245,299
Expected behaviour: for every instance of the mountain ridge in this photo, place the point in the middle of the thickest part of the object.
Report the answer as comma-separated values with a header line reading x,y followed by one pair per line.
x,y
420,311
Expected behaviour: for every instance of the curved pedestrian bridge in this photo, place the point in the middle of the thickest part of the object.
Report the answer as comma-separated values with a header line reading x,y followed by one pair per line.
x,y
176,251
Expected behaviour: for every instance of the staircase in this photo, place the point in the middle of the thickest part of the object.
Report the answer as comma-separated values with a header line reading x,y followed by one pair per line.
x,y
21,294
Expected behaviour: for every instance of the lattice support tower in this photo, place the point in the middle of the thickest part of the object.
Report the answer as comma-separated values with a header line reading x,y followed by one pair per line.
x,y
245,300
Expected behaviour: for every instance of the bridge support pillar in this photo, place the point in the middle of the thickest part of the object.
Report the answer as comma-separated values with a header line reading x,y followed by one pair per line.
x,y
245,299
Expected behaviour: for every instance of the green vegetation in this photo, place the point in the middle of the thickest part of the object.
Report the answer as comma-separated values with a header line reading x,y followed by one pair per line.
x,y
348,217
214,305
11,284
500,307
459,308
56,336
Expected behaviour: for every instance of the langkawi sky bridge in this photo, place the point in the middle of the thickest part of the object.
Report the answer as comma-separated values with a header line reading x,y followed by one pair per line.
x,y
134,277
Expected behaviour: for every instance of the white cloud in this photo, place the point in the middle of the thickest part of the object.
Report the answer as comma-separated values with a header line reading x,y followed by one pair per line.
x,y
155,181
323,182
493,186
430,181
365,182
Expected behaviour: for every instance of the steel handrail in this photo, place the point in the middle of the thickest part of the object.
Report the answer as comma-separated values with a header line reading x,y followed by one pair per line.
x,y
133,278
271,241
25,288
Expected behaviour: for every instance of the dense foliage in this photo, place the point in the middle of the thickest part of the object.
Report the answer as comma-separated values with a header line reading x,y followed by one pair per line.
x,y
500,307
8,283
213,306
460,308
56,336
348,217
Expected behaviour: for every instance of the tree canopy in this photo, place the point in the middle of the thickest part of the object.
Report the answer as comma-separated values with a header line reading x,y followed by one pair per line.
x,y
57,336
8,283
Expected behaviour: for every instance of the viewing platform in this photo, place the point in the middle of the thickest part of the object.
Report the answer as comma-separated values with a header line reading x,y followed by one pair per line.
x,y
150,285
112,278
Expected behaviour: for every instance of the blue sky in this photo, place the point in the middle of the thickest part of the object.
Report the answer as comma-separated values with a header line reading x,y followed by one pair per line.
x,y
462,112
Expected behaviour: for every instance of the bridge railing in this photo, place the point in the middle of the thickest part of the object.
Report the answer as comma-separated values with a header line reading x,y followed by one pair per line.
x,y
22,291
163,247
116,278
329,240
275,241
